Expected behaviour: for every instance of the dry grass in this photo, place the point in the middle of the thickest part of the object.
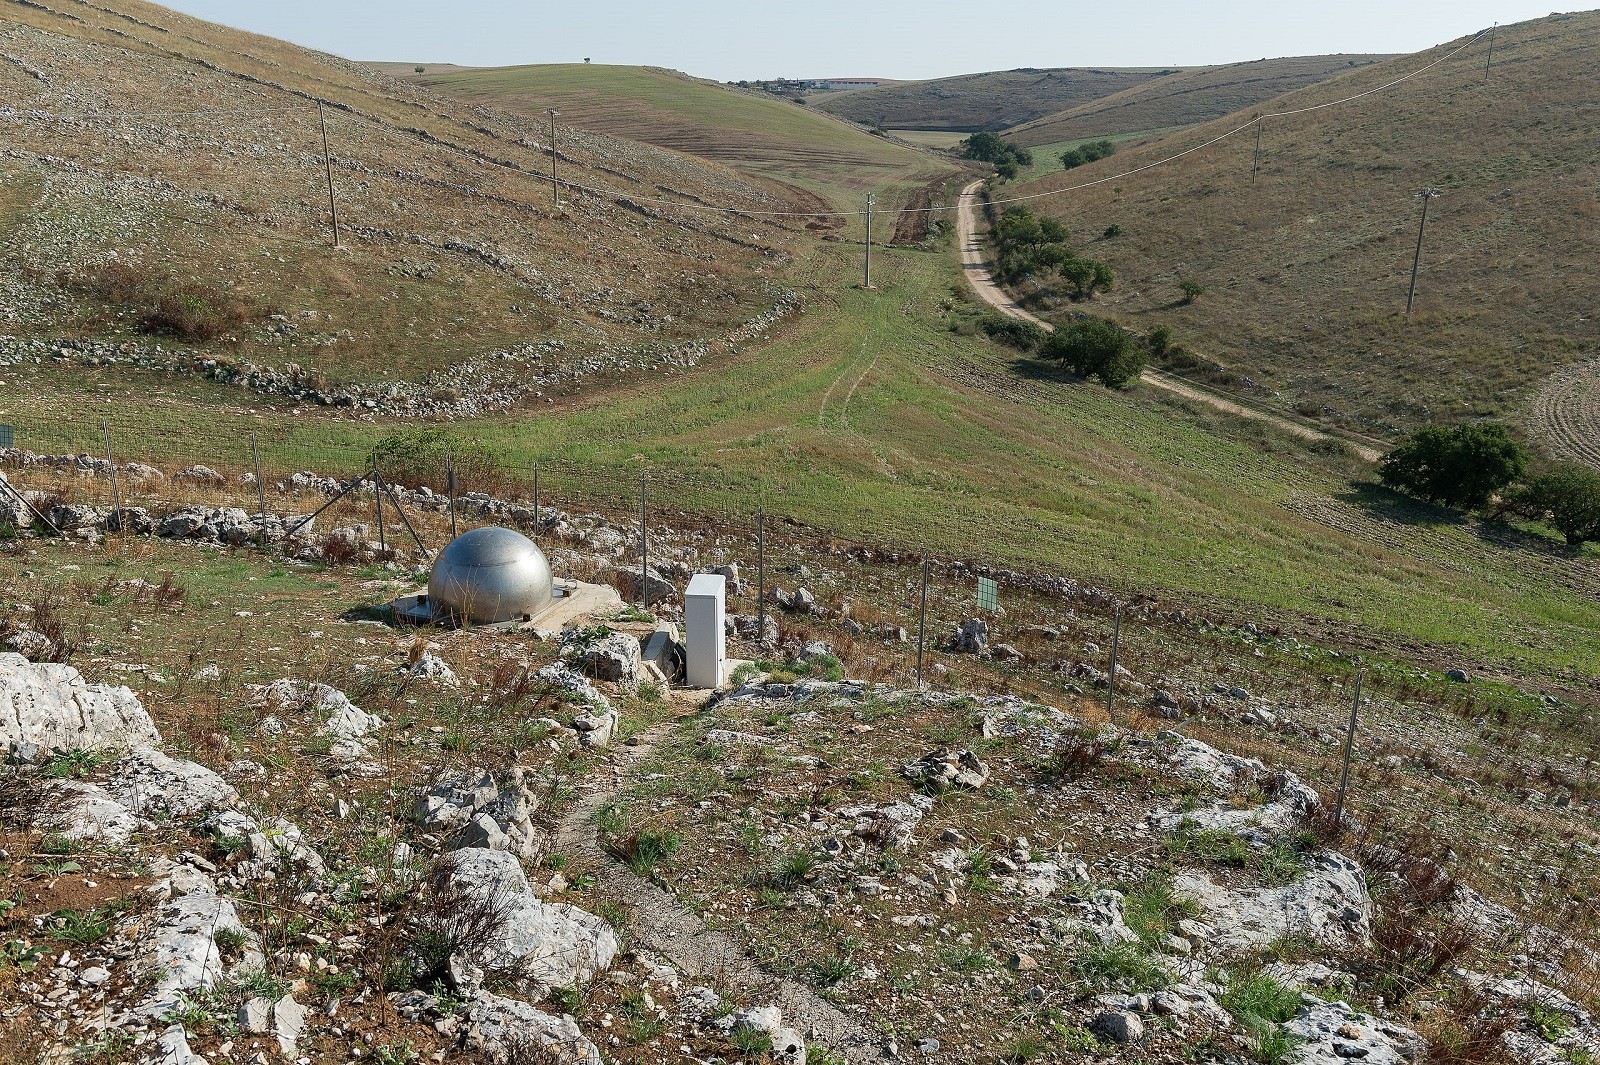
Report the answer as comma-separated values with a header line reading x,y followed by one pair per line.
x,y
991,100
1184,98
1307,271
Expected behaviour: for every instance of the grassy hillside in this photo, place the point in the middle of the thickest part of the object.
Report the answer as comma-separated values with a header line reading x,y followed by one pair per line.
x,y
870,417
992,100
752,131
164,184
1184,98
1306,273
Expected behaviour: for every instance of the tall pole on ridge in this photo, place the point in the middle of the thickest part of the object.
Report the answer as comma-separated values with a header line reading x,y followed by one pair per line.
x,y
1490,59
1255,167
1427,194
555,188
327,165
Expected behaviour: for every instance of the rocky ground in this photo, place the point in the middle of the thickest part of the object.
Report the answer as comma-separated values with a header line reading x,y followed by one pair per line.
x,y
262,824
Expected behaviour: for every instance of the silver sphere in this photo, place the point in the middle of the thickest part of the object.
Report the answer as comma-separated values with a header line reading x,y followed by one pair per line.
x,y
489,576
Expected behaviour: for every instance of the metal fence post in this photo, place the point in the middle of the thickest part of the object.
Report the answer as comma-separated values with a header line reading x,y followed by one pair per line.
x,y
116,495
644,544
450,487
377,505
922,621
261,494
1349,744
761,575
1111,678
538,521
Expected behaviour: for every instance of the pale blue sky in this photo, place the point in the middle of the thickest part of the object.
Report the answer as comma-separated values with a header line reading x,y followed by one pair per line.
x,y
730,39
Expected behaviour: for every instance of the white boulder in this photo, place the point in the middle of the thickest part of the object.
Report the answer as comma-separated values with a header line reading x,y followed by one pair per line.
x,y
54,708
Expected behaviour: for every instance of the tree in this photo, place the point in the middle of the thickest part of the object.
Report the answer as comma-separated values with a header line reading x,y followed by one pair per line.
x,y
1087,276
1457,466
1191,289
1567,496
1087,153
1007,158
1099,348
1159,339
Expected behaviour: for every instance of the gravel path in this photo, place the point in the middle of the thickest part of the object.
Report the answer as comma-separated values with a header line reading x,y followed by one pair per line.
x,y
659,923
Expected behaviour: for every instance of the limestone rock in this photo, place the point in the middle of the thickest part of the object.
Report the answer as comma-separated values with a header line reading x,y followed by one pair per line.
x,y
546,944
1332,1033
53,707
1330,905
179,950
152,786
1119,1026
787,1046
972,636
81,810
615,658
945,768
503,1031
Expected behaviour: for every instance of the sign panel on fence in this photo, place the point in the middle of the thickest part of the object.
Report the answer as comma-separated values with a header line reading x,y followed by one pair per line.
x,y
988,595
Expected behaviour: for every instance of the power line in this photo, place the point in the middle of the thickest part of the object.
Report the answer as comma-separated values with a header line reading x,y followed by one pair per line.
x,y
753,212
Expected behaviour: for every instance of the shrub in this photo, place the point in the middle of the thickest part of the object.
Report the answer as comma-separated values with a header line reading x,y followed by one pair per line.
x,y
188,310
1099,348
1159,340
417,457
1567,496
1013,332
1456,466
1087,153
1191,289
991,148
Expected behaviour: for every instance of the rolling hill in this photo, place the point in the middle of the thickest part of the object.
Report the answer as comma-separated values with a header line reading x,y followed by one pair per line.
x,y
992,100
1306,272
755,132
138,139
1184,98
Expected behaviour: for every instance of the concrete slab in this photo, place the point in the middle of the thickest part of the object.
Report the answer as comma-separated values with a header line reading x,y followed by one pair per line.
x,y
574,602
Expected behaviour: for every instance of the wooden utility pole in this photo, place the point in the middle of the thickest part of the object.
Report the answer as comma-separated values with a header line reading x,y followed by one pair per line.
x,y
555,187
868,283
1490,59
327,166
1255,167
1416,263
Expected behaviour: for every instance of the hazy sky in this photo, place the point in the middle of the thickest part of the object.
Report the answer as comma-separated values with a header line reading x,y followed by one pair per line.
x,y
731,39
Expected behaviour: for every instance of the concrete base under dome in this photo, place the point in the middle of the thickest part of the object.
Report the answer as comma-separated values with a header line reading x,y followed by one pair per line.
x,y
573,602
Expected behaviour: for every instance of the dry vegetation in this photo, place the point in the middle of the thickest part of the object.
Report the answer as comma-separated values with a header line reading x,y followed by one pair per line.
x,y
1184,98
449,244
992,100
1305,274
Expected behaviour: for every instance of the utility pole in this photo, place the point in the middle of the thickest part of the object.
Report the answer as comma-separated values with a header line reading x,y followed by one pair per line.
x,y
869,242
555,188
1255,167
1490,59
327,165
1427,194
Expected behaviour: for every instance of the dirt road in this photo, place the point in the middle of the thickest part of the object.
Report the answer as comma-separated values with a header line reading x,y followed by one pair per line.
x,y
974,264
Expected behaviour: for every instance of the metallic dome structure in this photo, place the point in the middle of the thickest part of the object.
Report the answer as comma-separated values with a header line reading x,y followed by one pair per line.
x,y
490,576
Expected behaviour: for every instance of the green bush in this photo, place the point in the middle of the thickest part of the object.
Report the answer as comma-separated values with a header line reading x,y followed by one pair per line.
x,y
1096,347
1462,466
991,148
1013,332
1567,497
1159,340
1087,153
417,457
1191,289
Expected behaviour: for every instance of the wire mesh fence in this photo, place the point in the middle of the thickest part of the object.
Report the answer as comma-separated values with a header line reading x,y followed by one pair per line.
x,y
240,461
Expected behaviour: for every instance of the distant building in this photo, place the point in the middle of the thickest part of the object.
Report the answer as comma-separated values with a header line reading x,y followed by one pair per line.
x,y
848,83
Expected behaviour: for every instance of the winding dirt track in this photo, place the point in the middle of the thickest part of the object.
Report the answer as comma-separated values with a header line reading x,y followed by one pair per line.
x,y
658,922
974,264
